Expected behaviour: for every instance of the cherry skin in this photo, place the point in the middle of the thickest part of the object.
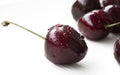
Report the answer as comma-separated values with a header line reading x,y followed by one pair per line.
x,y
117,50
64,45
104,3
80,7
114,12
92,25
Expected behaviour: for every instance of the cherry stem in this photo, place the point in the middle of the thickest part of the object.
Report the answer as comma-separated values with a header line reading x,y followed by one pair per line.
x,y
6,23
112,25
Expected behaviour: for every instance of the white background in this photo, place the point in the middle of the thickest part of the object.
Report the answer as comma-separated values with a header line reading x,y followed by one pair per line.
x,y
22,53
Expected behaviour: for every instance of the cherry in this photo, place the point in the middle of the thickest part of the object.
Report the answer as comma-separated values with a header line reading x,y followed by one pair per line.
x,y
117,50
63,44
93,24
114,12
80,7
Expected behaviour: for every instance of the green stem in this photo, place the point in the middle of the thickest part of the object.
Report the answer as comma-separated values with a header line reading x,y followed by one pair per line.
x,y
112,25
6,23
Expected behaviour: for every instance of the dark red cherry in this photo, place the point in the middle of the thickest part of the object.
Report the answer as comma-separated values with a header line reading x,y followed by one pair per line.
x,y
114,12
80,7
92,25
104,3
117,50
64,45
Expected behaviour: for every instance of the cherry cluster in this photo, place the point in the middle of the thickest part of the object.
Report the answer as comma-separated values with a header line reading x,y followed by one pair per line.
x,y
97,18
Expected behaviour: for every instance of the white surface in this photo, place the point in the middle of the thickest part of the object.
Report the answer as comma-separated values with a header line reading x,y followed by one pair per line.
x,y
22,53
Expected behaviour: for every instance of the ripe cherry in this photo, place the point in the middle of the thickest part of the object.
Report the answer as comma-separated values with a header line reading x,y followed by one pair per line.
x,y
63,44
80,7
93,24
117,50
114,12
